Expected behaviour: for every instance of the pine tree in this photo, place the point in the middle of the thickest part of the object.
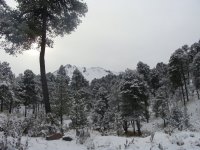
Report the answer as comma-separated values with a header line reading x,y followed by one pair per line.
x,y
61,97
135,98
161,105
176,118
51,81
78,80
100,109
193,51
39,21
78,110
4,95
6,82
196,73
177,71
144,70
79,87
154,81
28,87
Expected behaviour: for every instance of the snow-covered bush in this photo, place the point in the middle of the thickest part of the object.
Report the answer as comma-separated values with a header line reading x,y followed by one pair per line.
x,y
128,143
90,144
176,118
42,125
12,134
82,135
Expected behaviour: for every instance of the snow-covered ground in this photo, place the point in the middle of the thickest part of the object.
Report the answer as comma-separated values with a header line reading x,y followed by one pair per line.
x,y
161,141
179,140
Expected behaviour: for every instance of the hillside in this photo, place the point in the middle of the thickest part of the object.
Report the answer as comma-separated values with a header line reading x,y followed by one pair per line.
x,y
178,140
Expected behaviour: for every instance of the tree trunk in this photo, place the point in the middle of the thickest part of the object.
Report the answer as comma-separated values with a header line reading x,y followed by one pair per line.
x,y
183,95
33,112
138,127
10,107
146,111
45,91
125,126
188,75
1,104
198,93
25,113
164,123
180,94
133,125
186,90
184,81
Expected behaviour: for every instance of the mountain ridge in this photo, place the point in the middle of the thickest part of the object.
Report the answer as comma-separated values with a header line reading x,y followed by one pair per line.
x,y
89,73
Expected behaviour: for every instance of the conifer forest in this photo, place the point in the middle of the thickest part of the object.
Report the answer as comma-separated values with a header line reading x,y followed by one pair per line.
x,y
80,108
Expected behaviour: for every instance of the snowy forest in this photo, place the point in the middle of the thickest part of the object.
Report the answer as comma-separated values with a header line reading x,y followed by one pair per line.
x,y
119,105
142,108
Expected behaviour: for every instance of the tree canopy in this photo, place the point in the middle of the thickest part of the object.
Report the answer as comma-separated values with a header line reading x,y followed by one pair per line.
x,y
21,27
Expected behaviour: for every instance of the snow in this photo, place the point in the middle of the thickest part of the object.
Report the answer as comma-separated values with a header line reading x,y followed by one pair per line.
x,y
42,144
88,73
179,140
190,141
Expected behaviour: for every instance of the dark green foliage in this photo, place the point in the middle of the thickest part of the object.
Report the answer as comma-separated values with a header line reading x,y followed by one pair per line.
x,y
38,22
134,95
144,70
28,89
194,49
26,21
196,71
78,80
105,98
161,104
176,118
79,86
178,71
175,68
61,99
100,108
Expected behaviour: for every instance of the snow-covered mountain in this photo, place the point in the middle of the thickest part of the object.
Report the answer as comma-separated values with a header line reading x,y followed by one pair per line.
x,y
88,73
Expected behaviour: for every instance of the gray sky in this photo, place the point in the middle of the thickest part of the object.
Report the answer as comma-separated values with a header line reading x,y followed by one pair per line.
x,y
116,34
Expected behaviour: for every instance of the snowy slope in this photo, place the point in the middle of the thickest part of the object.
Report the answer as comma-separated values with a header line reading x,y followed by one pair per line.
x,y
88,73
188,141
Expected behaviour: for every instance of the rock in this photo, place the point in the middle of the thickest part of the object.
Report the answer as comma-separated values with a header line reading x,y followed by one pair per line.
x,y
192,135
160,147
67,138
180,143
55,136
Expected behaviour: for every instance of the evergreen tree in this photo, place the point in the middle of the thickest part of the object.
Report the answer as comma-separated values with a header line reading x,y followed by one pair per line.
x,y
78,110
39,21
161,105
178,70
154,81
28,89
51,81
176,118
135,98
4,95
79,87
7,86
78,80
61,98
193,50
144,70
100,108
196,73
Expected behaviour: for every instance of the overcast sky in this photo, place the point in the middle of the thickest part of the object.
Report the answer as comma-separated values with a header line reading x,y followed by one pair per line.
x,y
116,34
